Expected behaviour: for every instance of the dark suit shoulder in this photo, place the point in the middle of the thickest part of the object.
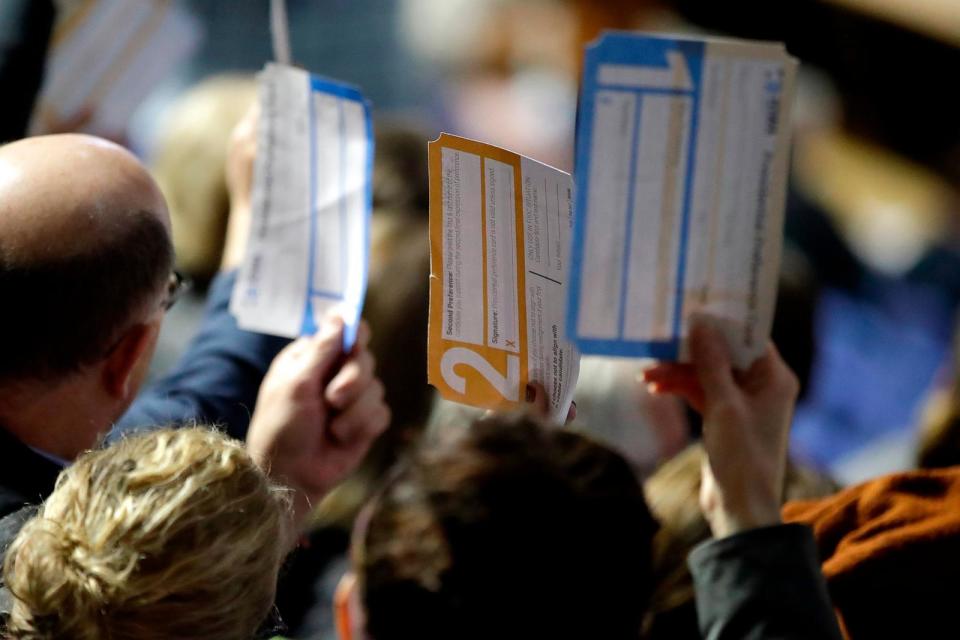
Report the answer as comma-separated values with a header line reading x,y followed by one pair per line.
x,y
26,477
11,524
11,502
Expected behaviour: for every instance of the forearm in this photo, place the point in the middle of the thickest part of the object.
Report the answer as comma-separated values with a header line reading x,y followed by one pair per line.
x,y
302,501
235,242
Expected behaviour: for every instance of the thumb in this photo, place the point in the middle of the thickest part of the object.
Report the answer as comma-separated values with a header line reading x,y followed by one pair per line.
x,y
326,346
711,359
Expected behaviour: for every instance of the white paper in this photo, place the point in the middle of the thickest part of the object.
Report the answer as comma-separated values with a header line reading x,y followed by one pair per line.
x,y
309,238
500,236
107,56
681,170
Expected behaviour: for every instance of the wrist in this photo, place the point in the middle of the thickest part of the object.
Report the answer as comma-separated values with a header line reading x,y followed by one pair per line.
x,y
293,478
238,228
727,521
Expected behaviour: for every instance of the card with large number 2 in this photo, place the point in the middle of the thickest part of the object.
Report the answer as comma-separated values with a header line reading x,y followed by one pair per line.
x,y
499,232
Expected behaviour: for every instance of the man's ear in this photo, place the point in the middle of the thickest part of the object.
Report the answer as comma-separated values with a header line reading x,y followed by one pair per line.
x,y
127,363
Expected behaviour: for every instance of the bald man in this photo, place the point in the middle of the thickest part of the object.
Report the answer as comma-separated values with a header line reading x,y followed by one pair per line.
x,y
85,280
85,277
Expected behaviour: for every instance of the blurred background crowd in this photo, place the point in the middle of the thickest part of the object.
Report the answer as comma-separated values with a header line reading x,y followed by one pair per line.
x,y
870,283
871,274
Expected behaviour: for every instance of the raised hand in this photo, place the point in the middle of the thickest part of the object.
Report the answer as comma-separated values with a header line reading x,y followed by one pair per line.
x,y
539,401
746,420
317,413
239,173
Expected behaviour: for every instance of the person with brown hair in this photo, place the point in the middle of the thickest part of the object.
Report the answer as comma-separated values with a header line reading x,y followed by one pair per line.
x,y
510,529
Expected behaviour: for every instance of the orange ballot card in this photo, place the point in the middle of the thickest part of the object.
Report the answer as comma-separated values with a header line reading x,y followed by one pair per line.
x,y
499,240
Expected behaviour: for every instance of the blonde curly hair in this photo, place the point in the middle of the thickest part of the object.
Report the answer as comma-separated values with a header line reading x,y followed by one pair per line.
x,y
168,534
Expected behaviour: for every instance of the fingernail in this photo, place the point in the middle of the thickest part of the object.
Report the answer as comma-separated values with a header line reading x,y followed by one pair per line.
x,y
707,321
698,319
333,318
330,326
704,329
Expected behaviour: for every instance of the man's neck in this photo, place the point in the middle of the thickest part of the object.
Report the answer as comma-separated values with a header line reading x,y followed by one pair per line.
x,y
60,418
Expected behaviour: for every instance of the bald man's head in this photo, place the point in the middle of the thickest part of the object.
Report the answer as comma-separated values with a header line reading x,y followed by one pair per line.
x,y
84,247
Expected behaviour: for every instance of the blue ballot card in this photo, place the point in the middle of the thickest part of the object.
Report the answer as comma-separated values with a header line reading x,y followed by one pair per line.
x,y
681,160
309,243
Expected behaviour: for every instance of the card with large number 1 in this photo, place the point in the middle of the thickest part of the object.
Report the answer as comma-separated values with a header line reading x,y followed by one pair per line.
x,y
499,242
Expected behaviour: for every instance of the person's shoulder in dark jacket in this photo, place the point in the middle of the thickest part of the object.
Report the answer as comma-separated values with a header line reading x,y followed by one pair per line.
x,y
760,584
26,477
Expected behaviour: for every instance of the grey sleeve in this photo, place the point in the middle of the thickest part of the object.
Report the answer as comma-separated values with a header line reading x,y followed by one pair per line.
x,y
10,526
760,584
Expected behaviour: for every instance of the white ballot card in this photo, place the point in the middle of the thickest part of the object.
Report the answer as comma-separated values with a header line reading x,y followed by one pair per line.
x,y
499,241
107,56
308,250
681,161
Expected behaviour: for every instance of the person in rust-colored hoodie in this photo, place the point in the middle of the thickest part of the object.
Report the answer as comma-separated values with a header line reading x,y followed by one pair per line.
x,y
891,553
